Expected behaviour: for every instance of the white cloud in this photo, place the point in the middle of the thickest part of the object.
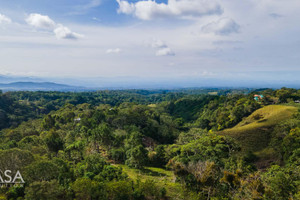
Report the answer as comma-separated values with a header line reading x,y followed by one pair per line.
x,y
40,21
44,22
4,19
126,7
62,32
224,26
115,51
162,49
165,52
158,44
148,10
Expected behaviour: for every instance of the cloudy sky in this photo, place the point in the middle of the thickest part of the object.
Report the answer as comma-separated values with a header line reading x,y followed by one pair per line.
x,y
162,39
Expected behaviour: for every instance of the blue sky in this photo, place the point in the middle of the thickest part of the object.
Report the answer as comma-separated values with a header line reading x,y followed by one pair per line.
x,y
160,40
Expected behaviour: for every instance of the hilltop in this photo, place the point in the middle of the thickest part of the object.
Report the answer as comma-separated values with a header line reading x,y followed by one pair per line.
x,y
255,132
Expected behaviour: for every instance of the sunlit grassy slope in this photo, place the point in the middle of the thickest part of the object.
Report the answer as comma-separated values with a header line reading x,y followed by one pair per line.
x,y
254,132
164,178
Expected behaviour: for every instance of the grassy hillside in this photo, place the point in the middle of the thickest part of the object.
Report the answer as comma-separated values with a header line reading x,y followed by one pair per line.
x,y
163,178
253,133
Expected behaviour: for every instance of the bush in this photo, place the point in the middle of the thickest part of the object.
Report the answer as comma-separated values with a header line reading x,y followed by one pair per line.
x,y
117,155
44,190
136,157
86,189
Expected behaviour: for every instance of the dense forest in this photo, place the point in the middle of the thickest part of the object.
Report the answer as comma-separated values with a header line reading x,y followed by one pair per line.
x,y
162,144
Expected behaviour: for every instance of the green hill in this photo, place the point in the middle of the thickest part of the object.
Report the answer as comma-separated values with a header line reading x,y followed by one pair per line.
x,y
254,132
163,178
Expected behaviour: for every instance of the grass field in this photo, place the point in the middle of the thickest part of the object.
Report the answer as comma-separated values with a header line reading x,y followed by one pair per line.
x,y
254,132
163,178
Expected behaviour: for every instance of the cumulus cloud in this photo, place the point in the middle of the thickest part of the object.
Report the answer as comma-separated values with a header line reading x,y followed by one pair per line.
x,y
40,21
114,51
162,49
45,22
158,44
126,7
165,52
4,19
148,10
62,32
224,26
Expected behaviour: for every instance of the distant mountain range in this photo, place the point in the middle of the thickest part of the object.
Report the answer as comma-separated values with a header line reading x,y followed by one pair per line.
x,y
39,86
11,79
33,83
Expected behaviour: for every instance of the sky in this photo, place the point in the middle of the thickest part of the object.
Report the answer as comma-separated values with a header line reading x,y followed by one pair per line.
x,y
164,40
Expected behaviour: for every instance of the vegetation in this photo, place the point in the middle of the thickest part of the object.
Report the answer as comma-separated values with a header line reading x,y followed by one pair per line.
x,y
254,132
185,144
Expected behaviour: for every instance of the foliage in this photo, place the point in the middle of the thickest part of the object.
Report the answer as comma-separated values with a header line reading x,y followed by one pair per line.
x,y
53,141
282,183
136,157
41,171
44,190
160,144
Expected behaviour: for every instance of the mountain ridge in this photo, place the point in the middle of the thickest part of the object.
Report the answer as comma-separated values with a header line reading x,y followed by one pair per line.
x,y
38,86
